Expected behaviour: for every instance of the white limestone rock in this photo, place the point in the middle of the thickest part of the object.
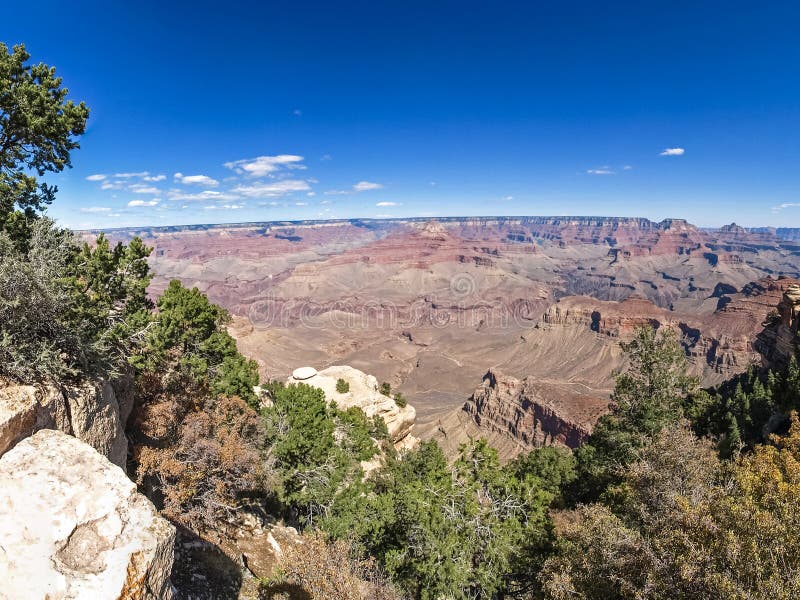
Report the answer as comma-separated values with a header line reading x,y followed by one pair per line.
x,y
18,409
73,526
89,411
95,419
364,394
303,373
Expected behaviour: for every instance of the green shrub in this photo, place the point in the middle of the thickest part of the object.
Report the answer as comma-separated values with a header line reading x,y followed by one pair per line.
x,y
385,389
67,311
400,400
342,386
188,335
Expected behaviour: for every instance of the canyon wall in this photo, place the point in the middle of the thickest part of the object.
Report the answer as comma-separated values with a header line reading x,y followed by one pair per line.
x,y
520,409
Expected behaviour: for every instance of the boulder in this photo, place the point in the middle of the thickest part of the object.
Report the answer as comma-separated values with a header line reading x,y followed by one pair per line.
x,y
303,373
95,419
88,411
72,525
18,409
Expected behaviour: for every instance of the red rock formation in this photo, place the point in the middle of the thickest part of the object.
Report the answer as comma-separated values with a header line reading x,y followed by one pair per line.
x,y
724,342
778,341
531,414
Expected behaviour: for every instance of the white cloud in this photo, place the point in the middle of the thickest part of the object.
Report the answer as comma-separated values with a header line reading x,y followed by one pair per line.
x,y
140,188
780,207
204,195
152,202
96,177
384,216
364,186
508,198
388,204
301,203
297,112
155,178
604,170
130,175
627,168
96,209
203,180
336,193
264,165
325,202
224,207
311,194
277,188
672,152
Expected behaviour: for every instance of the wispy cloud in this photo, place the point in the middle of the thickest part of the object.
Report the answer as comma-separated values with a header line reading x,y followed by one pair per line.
x,y
153,202
780,207
224,207
276,188
140,188
604,170
672,152
389,204
204,195
131,175
365,186
96,209
627,168
154,177
203,180
264,165
96,177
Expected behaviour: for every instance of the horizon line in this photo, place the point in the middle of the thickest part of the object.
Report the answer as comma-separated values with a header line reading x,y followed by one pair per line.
x,y
452,218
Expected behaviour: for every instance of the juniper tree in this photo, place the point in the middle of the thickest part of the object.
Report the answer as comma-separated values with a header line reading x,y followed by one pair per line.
x,y
38,130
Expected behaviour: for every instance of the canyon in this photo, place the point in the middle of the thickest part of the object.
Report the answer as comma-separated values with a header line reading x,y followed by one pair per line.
x,y
440,307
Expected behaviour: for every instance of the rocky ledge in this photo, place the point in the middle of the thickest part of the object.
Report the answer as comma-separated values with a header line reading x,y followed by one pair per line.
x,y
363,393
72,525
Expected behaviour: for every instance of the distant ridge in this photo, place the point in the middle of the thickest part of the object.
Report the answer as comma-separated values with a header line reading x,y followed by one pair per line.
x,y
366,222
791,234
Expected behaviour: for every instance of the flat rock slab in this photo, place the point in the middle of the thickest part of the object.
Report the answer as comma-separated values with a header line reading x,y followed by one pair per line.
x,y
72,525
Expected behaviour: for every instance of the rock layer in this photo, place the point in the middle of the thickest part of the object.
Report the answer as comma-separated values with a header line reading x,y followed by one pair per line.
x,y
72,525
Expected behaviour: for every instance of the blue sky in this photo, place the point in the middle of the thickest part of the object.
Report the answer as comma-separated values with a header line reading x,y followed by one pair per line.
x,y
241,111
